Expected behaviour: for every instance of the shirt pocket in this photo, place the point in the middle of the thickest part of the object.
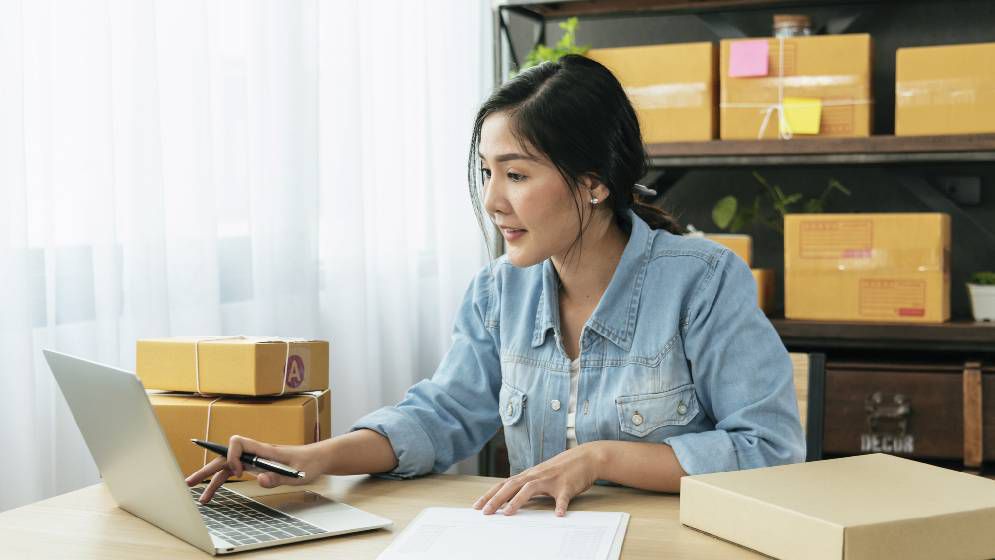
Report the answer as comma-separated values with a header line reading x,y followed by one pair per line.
x,y
511,404
640,415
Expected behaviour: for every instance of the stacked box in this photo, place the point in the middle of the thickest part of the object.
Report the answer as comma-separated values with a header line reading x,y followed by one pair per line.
x,y
740,244
867,267
948,89
833,70
672,88
236,365
211,388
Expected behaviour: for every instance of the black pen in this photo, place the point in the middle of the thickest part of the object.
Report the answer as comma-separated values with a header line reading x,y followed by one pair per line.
x,y
251,460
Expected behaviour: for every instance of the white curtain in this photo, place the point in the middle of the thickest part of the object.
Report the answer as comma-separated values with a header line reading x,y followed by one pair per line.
x,y
292,168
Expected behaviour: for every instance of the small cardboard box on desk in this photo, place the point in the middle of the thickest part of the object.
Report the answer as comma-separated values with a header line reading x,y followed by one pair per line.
x,y
233,365
867,267
784,87
290,420
868,507
269,389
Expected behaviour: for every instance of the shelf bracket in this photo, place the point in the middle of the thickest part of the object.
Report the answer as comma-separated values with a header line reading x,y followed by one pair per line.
x,y
718,24
848,23
922,190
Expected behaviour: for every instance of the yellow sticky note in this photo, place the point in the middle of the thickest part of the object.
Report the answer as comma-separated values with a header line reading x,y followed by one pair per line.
x,y
802,115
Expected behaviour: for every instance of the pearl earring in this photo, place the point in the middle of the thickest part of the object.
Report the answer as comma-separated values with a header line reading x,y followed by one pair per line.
x,y
594,201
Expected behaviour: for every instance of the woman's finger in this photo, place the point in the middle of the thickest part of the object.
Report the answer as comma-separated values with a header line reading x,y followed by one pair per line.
x,y
526,493
487,495
268,479
239,444
562,502
505,493
234,454
217,480
207,470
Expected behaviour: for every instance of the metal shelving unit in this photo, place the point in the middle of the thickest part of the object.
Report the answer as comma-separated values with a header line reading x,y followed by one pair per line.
x,y
888,150
952,341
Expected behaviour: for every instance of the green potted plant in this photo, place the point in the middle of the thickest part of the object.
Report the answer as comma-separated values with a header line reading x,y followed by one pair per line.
x,y
769,206
566,45
981,287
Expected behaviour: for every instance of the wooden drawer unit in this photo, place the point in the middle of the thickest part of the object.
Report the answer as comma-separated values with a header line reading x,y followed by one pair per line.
x,y
922,411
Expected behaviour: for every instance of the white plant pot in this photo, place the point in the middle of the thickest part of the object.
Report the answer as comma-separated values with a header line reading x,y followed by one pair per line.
x,y
982,301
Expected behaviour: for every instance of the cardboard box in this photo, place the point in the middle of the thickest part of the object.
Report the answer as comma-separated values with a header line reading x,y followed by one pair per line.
x,y
867,267
738,243
835,69
672,87
869,507
764,277
250,366
945,90
293,420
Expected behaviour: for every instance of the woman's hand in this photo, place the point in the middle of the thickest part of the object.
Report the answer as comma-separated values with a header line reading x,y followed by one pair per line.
x,y
301,457
567,475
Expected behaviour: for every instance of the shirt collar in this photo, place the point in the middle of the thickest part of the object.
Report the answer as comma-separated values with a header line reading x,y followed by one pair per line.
x,y
615,316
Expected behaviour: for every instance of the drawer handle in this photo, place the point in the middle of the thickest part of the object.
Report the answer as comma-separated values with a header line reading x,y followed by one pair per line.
x,y
898,408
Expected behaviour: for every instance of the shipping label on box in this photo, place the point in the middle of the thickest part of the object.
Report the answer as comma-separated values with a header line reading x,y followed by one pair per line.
x,y
877,267
289,420
824,80
672,88
948,89
236,365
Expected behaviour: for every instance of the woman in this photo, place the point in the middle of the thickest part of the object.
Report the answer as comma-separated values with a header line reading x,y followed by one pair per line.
x,y
607,345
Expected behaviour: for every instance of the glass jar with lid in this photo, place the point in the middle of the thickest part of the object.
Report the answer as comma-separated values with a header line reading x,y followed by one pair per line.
x,y
792,25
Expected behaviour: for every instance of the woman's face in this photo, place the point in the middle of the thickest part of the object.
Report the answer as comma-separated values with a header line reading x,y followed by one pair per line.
x,y
526,197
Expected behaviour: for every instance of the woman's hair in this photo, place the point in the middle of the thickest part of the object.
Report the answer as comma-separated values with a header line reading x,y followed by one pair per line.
x,y
576,113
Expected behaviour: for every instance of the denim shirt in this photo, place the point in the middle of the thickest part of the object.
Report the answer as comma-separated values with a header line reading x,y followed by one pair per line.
x,y
676,352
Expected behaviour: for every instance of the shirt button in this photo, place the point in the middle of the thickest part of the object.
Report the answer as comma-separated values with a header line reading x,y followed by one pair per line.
x,y
555,404
637,419
511,409
682,408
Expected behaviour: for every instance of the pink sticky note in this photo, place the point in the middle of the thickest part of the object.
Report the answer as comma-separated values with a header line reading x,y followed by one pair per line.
x,y
748,58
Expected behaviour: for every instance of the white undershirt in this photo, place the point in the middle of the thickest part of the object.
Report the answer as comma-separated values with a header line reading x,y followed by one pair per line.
x,y
572,409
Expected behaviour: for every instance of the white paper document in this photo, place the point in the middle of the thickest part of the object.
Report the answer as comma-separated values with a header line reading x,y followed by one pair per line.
x,y
444,533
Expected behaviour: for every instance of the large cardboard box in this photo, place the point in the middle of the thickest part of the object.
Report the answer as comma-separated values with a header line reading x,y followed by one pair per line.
x,y
294,420
867,267
870,507
236,365
738,243
672,87
948,89
835,69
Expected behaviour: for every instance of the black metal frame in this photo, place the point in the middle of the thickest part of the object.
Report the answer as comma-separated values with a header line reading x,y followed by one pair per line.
x,y
815,415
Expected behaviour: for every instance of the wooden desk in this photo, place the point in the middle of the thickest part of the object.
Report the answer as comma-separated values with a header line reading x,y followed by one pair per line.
x,y
88,524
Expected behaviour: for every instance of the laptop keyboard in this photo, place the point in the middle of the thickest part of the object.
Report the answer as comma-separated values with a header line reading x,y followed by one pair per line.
x,y
240,521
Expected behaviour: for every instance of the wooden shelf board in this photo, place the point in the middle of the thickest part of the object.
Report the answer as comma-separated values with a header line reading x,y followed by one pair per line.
x,y
950,336
873,149
567,8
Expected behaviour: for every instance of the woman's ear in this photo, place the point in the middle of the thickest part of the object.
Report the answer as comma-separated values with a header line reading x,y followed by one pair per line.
x,y
595,188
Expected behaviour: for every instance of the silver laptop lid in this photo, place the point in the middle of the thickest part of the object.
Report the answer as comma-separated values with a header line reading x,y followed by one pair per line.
x,y
120,428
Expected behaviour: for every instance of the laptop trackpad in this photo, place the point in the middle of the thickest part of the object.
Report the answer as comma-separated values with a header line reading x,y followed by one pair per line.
x,y
320,511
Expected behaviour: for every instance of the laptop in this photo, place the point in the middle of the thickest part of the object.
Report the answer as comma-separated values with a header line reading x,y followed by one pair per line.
x,y
143,477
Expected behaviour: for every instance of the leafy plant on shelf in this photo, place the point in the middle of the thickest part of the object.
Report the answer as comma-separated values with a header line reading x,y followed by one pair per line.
x,y
983,278
566,45
769,206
